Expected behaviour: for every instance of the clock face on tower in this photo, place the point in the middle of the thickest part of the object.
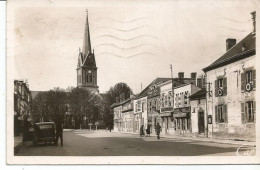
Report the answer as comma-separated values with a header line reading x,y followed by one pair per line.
x,y
89,71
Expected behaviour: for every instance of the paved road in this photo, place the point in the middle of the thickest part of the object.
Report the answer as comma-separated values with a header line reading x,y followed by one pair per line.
x,y
102,143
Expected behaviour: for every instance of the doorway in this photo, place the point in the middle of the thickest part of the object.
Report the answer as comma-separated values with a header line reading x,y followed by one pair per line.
x,y
201,122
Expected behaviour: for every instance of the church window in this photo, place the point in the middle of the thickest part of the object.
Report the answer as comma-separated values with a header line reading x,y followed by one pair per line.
x,y
90,76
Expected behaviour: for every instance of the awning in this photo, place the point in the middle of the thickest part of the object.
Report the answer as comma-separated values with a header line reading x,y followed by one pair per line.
x,y
180,115
165,114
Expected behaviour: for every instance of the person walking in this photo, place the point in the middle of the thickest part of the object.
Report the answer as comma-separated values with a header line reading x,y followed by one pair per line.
x,y
59,133
158,129
148,132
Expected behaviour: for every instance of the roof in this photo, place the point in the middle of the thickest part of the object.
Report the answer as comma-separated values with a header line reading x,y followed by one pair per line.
x,y
145,91
235,53
201,94
123,102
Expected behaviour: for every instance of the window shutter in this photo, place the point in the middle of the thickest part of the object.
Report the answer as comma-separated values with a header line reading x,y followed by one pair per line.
x,y
225,86
216,88
254,110
246,110
254,79
243,81
243,116
216,114
225,113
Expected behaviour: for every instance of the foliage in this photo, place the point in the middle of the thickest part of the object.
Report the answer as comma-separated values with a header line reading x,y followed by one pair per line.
x,y
110,98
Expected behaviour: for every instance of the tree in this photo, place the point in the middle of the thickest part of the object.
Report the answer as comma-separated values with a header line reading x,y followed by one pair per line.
x,y
79,102
110,98
50,105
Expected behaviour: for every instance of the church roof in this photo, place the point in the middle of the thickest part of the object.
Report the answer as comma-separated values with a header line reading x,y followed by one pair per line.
x,y
86,41
86,56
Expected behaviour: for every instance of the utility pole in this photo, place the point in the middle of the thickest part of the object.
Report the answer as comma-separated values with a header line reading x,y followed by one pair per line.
x,y
172,95
209,94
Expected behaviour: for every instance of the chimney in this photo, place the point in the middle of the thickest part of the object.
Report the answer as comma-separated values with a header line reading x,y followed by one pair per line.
x,y
181,74
253,18
230,42
117,99
193,75
199,82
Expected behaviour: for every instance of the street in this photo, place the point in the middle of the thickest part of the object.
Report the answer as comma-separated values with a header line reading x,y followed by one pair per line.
x,y
105,143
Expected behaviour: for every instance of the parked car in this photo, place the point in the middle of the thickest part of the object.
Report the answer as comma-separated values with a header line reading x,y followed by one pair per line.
x,y
44,132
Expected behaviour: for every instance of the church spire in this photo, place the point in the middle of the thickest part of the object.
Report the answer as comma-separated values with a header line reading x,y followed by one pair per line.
x,y
86,41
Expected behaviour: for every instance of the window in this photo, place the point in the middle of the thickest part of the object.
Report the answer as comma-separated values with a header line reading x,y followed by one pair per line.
x,y
221,87
221,115
186,98
249,76
248,111
169,100
220,83
162,100
248,80
165,101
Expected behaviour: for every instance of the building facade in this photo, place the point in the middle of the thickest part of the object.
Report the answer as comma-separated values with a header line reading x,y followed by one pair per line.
x,y
181,113
22,99
232,103
198,113
128,115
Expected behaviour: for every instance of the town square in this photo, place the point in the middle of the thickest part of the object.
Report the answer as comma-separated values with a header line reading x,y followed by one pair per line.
x,y
179,80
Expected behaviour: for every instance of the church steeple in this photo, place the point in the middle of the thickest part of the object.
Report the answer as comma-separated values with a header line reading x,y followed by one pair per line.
x,y
86,68
86,49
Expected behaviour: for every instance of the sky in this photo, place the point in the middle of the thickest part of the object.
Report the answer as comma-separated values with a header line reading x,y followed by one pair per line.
x,y
134,41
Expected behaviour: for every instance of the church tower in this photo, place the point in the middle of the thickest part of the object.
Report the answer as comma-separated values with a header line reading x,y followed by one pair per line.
x,y
87,69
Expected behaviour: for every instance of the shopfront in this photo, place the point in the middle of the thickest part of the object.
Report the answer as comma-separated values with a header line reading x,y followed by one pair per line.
x,y
182,121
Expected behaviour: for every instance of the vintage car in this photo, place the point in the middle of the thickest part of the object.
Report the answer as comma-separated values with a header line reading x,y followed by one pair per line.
x,y
44,132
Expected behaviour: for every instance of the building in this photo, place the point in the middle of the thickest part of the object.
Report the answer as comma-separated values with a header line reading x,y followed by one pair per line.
x,y
232,103
153,103
123,113
117,110
198,113
181,113
146,105
128,115
86,68
22,112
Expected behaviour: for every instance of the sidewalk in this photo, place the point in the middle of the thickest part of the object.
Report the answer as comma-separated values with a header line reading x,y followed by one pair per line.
x,y
202,139
18,141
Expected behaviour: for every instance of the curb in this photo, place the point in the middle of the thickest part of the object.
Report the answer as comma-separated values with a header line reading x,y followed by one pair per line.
x,y
196,139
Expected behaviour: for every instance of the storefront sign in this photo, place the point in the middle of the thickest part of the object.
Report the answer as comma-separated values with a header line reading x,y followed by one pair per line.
x,y
180,115
166,109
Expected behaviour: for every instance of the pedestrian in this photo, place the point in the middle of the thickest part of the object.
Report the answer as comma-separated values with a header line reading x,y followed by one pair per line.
x,y
148,131
141,130
110,128
158,129
59,133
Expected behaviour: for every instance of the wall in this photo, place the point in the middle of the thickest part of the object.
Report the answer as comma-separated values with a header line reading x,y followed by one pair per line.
x,y
233,128
195,108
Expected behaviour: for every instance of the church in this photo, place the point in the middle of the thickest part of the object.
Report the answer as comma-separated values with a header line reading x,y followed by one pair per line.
x,y
86,68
